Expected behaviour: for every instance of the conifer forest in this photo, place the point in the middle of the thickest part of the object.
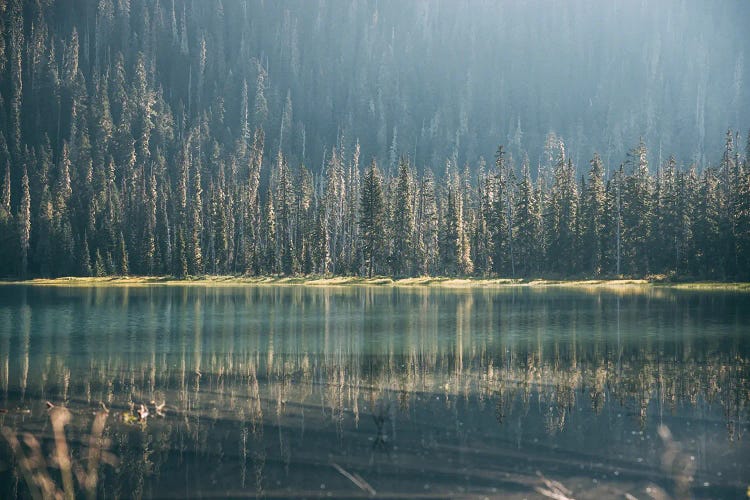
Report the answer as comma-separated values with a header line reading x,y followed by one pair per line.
x,y
191,137
445,249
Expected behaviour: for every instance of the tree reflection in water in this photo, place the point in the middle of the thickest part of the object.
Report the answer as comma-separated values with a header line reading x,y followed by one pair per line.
x,y
410,390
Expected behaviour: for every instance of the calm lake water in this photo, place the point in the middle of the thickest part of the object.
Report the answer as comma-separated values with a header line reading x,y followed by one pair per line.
x,y
346,392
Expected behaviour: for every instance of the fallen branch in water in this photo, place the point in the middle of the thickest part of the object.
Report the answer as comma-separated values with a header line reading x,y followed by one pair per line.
x,y
553,489
356,479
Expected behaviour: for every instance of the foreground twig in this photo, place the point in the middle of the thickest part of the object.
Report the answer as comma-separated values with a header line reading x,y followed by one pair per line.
x,y
34,468
60,417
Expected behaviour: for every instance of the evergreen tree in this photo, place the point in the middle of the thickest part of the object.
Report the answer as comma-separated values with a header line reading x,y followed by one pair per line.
x,y
305,223
637,213
181,253
613,225
707,227
271,256
742,220
592,244
8,242
148,238
15,65
562,215
124,260
730,182
455,248
688,201
84,257
499,219
334,206
100,266
284,218
321,241
196,241
24,222
528,225
667,220
450,235
352,253
371,219
427,225
402,252
5,194
482,240
261,104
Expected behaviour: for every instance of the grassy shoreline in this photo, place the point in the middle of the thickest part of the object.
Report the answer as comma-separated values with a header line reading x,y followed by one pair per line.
x,y
421,282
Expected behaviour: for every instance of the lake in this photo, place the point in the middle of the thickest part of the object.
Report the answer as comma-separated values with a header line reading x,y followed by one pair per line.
x,y
279,391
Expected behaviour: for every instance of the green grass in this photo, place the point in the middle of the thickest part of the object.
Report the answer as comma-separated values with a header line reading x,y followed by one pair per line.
x,y
424,281
710,285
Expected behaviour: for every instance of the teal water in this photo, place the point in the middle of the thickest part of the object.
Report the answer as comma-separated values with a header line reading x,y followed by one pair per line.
x,y
354,391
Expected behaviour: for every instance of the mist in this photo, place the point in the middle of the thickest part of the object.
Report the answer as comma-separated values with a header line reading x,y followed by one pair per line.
x,y
455,79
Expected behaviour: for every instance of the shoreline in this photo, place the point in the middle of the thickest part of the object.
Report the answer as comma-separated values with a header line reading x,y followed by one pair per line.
x,y
420,282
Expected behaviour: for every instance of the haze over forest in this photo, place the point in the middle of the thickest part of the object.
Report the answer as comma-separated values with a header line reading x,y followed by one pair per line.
x,y
186,136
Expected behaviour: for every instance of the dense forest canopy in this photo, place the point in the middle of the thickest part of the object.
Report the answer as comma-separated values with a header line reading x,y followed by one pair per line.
x,y
188,137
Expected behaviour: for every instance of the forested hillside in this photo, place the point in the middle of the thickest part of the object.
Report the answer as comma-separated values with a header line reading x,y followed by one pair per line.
x,y
190,137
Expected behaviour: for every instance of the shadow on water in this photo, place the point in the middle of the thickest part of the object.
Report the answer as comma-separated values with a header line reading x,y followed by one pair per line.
x,y
347,392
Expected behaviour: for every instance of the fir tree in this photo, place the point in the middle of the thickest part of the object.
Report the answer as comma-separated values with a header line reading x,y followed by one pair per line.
x,y
499,219
285,218
402,253
528,222
562,215
427,225
637,213
24,223
84,257
270,255
196,240
5,194
592,244
371,219
8,242
482,241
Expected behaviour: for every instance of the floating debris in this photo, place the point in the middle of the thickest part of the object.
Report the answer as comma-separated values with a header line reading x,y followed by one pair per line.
x,y
129,418
159,409
143,413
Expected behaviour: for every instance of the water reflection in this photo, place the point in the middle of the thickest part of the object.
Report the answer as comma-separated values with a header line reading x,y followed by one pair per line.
x,y
408,390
